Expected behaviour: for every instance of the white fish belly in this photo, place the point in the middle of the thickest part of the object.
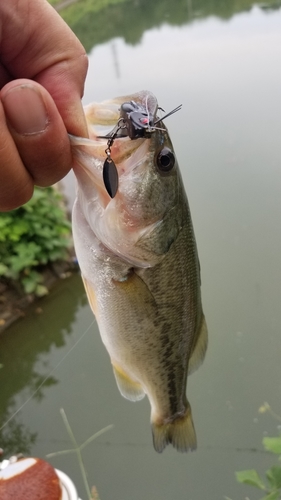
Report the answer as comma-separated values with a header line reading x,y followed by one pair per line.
x,y
146,338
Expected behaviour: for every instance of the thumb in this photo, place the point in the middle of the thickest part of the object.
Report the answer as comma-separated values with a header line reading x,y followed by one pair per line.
x,y
38,131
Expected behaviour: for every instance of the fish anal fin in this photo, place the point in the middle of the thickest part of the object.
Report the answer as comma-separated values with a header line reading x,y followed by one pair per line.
x,y
179,432
91,295
200,348
129,388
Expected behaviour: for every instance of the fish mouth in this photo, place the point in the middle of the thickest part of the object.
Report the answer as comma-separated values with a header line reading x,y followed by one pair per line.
x,y
89,157
134,120
137,113
118,133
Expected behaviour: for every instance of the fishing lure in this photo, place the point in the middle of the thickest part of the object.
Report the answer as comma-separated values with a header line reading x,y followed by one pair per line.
x,y
135,122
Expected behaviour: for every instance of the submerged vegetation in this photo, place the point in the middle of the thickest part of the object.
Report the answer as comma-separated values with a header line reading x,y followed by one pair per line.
x,y
92,493
33,236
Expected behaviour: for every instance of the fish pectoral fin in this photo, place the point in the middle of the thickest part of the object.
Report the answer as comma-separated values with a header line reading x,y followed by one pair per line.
x,y
91,295
179,432
129,388
200,348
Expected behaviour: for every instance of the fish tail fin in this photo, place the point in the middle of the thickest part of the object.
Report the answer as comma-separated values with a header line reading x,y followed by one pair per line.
x,y
180,433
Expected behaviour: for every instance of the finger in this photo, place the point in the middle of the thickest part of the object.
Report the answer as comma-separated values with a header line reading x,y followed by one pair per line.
x,y
38,131
16,186
54,57
5,77
62,86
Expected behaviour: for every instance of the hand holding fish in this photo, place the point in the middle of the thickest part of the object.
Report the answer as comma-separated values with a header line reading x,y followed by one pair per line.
x,y
42,72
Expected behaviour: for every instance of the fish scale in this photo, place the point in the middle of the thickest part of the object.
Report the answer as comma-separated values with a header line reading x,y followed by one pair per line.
x,y
139,263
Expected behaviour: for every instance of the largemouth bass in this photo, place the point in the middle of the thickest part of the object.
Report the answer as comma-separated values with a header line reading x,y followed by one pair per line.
x,y
137,253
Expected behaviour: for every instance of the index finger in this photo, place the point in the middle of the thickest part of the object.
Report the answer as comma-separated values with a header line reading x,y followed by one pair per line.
x,y
37,44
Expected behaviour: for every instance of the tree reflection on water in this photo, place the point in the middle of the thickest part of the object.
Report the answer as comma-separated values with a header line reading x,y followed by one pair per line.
x,y
98,22
25,367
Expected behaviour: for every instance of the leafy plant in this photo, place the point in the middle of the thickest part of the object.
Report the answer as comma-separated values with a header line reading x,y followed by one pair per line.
x,y
32,236
271,486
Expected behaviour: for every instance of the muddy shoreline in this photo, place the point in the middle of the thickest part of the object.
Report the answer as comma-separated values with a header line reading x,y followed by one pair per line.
x,y
14,303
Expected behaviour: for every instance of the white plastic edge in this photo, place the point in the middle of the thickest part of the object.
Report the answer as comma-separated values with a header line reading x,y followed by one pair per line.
x,y
68,489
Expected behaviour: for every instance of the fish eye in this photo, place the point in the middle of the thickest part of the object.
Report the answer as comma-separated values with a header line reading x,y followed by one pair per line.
x,y
165,160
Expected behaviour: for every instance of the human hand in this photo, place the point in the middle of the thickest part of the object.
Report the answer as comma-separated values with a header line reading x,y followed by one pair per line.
x,y
42,72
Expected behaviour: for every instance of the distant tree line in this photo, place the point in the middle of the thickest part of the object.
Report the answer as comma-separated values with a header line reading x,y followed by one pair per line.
x,y
98,21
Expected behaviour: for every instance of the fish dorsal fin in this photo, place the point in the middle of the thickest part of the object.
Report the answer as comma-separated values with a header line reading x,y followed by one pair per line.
x,y
129,389
200,348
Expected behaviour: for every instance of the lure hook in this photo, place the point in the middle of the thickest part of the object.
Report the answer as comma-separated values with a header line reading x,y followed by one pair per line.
x,y
139,124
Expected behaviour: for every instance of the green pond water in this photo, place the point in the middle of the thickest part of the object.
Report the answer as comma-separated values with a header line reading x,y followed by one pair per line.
x,y
222,61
